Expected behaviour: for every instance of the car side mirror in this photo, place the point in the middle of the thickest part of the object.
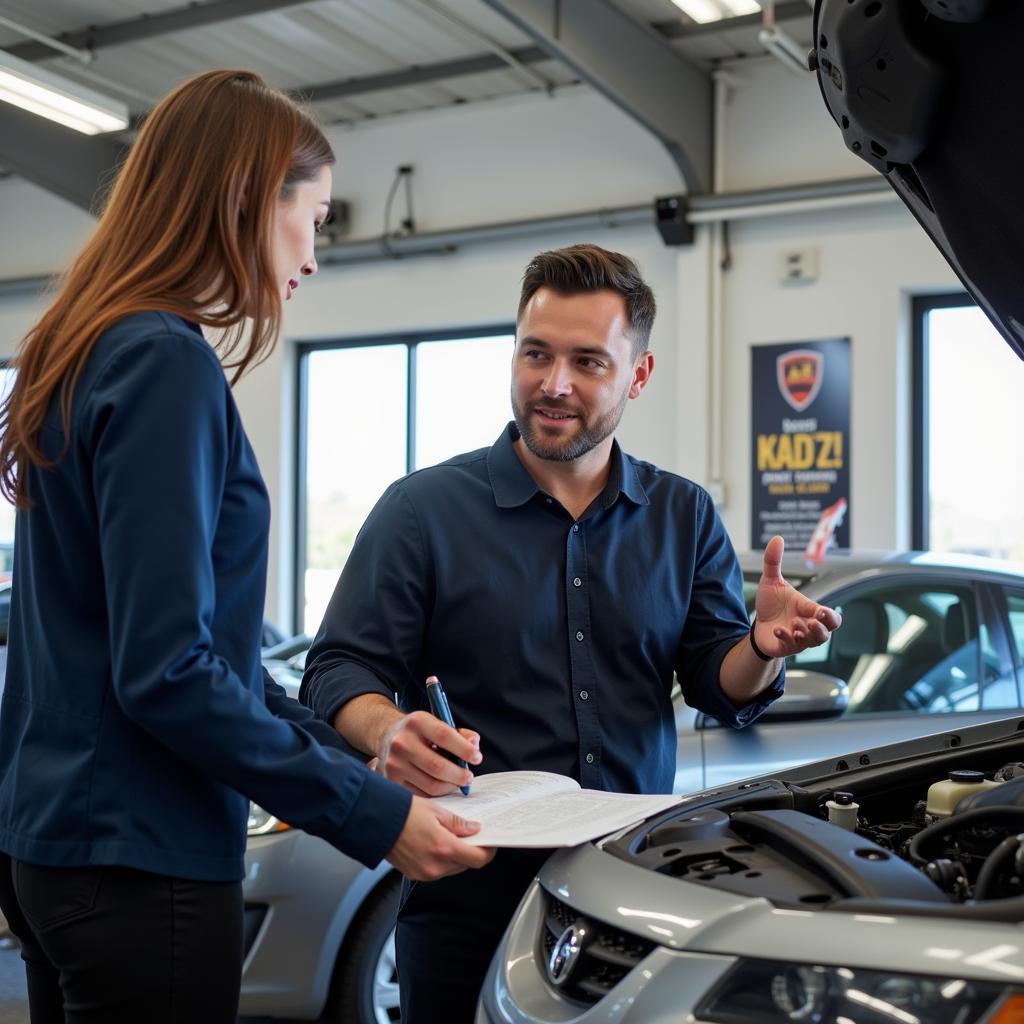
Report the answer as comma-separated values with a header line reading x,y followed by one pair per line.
x,y
809,696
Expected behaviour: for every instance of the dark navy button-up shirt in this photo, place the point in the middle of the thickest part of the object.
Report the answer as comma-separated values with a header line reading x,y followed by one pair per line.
x,y
136,713
555,639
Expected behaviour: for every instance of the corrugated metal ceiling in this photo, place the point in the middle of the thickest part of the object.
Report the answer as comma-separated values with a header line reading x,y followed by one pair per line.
x,y
308,44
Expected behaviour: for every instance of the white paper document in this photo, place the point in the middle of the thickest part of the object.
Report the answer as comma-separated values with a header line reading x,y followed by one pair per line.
x,y
540,809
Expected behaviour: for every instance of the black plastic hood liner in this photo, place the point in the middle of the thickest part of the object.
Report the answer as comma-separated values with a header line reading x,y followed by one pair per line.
x,y
931,94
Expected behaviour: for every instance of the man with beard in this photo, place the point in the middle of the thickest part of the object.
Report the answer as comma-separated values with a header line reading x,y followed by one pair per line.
x,y
555,585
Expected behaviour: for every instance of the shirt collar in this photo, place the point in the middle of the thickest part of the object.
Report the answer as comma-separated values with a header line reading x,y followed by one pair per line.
x,y
623,479
513,486
510,480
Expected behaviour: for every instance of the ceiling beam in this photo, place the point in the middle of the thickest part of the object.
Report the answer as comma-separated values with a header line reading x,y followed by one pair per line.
x,y
633,66
420,74
149,26
63,161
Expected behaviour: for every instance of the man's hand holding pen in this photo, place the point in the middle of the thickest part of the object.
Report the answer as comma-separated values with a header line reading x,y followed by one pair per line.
x,y
410,754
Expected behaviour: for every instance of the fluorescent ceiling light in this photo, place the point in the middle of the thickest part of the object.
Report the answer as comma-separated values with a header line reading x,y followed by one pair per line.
x,y
701,11
740,7
704,11
42,92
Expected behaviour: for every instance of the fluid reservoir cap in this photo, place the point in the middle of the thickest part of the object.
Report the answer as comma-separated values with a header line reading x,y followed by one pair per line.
x,y
967,776
842,797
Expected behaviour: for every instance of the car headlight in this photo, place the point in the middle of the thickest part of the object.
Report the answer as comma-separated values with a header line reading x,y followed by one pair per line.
x,y
262,822
769,992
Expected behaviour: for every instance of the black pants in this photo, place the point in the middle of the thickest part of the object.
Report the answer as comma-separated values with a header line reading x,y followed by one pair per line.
x,y
120,946
448,932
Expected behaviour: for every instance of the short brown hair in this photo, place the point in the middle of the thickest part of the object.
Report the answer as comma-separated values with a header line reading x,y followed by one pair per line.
x,y
589,268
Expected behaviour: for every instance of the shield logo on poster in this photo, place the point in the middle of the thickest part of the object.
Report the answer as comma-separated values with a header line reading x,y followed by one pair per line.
x,y
800,374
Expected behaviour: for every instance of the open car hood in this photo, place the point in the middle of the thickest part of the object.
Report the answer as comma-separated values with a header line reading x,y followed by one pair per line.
x,y
928,92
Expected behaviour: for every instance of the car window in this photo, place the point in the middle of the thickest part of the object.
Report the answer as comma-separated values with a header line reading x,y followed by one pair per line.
x,y
813,657
918,648
1015,607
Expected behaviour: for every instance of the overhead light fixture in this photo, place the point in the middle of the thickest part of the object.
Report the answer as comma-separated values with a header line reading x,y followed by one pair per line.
x,y
740,7
42,92
784,48
705,11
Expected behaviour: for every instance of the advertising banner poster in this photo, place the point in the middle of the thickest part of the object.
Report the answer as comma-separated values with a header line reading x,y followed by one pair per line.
x,y
800,419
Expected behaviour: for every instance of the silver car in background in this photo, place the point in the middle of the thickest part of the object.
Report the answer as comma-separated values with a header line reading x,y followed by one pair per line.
x,y
928,643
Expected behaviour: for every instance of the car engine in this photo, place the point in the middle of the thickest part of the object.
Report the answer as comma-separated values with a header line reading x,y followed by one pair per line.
x,y
965,836
936,836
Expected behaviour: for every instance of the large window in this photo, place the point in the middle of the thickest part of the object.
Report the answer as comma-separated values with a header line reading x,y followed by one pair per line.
x,y
969,385
372,410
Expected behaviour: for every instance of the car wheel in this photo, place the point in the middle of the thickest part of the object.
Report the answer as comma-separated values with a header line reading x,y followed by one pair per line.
x,y
365,985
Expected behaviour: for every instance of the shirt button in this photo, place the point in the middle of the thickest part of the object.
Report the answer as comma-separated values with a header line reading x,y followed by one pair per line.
x,y
548,500
584,695
577,582
579,636
575,527
590,758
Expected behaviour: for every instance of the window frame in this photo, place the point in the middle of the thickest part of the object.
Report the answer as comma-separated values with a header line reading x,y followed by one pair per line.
x,y
1006,591
303,349
921,306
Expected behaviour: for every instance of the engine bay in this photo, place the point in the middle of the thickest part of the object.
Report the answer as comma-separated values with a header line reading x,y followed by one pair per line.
x,y
937,835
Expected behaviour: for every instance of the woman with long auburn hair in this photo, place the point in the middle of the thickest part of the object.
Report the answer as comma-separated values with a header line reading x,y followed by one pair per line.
x,y
136,720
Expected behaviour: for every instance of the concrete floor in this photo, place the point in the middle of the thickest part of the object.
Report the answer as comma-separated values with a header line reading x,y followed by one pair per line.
x,y
13,1000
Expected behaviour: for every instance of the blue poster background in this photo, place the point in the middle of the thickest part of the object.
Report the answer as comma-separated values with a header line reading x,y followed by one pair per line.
x,y
800,449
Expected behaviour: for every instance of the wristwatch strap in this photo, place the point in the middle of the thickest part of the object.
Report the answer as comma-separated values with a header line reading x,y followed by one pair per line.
x,y
757,650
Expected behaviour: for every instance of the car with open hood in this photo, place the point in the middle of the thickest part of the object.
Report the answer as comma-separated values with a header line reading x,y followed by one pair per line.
x,y
884,885
927,643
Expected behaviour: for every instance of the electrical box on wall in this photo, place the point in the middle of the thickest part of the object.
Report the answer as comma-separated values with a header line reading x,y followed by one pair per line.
x,y
798,266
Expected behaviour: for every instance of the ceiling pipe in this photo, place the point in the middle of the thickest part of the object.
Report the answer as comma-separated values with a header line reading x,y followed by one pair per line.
x,y
734,206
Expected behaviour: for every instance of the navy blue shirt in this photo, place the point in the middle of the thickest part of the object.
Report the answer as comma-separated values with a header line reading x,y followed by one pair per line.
x,y
136,713
555,639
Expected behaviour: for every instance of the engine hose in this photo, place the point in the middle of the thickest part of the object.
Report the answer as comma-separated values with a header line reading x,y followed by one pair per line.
x,y
958,822
994,863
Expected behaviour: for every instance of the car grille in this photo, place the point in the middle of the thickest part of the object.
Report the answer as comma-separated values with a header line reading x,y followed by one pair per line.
x,y
609,955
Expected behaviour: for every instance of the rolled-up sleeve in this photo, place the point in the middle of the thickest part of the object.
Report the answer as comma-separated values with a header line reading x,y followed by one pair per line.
x,y
716,620
372,634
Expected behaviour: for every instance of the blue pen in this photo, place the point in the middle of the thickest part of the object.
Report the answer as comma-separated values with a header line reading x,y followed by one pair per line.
x,y
439,706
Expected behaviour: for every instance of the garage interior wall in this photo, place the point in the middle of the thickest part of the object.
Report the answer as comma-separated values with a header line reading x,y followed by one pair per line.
x,y
534,156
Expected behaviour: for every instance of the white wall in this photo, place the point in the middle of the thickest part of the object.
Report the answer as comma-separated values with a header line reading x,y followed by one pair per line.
x,y
501,160
538,156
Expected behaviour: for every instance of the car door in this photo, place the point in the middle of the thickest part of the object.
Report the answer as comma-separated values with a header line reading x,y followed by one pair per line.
x,y
918,655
